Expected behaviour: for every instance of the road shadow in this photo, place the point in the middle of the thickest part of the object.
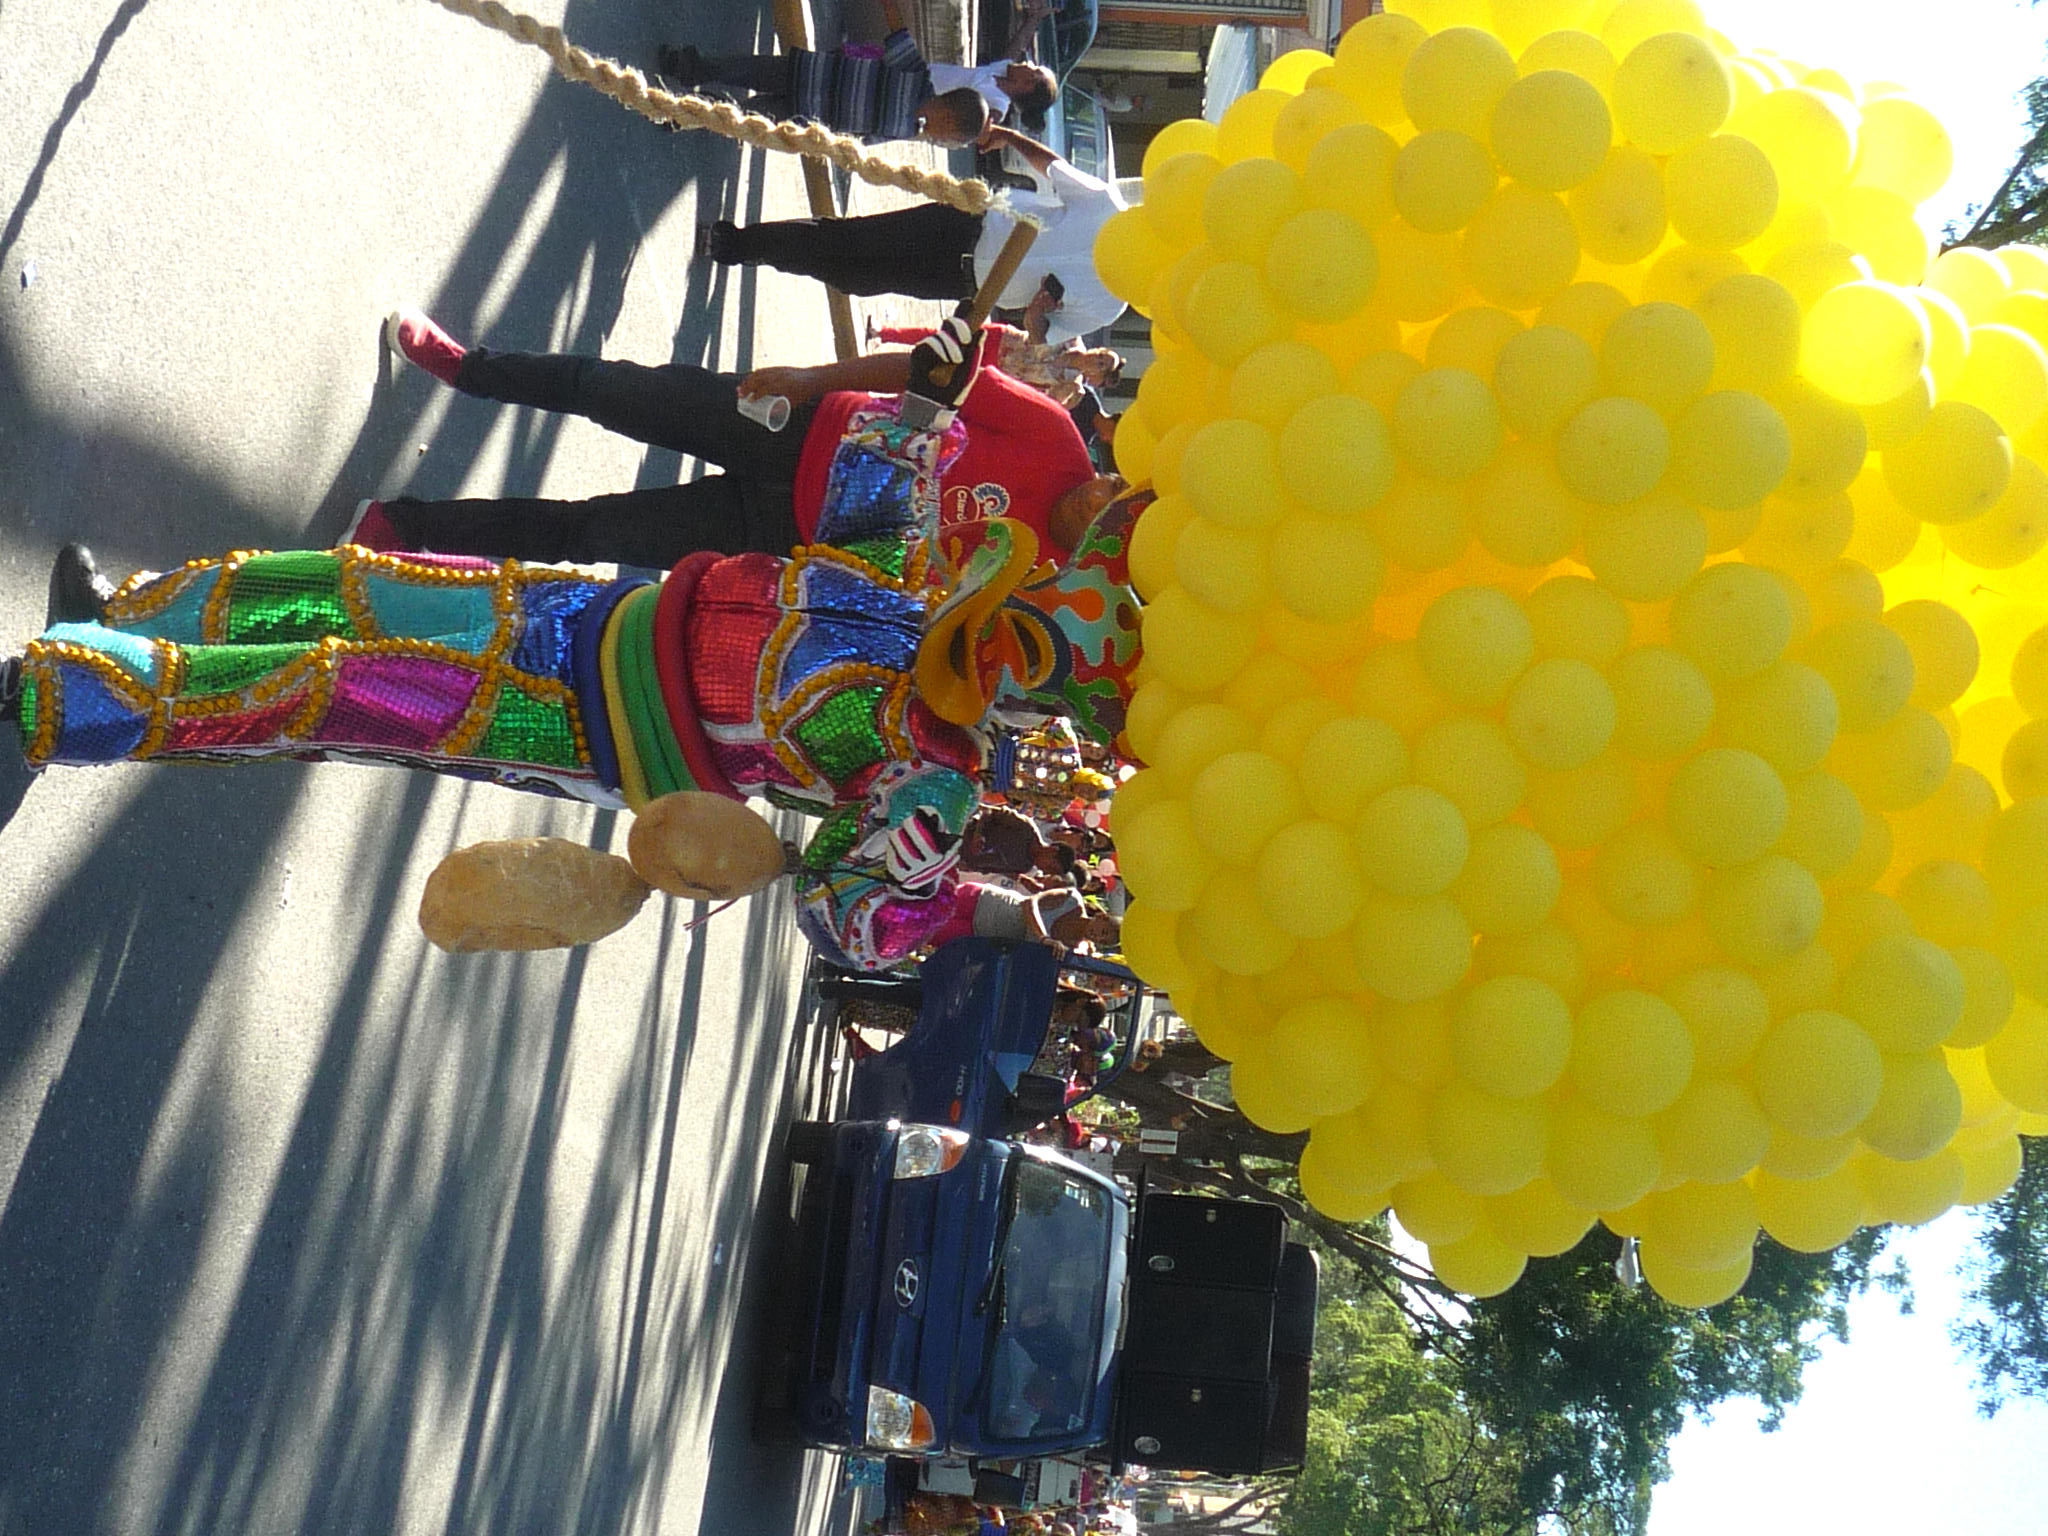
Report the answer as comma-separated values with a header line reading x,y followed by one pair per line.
x,y
409,1326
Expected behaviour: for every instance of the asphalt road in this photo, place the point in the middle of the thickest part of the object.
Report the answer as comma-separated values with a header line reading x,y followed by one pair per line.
x,y
304,1227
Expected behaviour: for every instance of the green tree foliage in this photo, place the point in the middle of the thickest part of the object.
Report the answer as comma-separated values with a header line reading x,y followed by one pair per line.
x,y
2007,1339
2018,210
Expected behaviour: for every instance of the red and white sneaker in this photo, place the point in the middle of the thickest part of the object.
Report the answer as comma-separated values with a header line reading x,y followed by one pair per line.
x,y
371,528
424,344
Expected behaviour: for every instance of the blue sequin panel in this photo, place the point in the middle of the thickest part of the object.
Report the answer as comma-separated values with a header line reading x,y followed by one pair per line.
x,y
461,618
95,726
849,618
866,494
552,611
133,654
181,618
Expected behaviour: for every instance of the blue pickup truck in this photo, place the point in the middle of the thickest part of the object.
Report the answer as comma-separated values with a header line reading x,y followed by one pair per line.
x,y
961,1293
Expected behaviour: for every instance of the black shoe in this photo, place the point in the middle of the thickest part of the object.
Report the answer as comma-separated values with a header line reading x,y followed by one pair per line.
x,y
10,691
718,241
78,592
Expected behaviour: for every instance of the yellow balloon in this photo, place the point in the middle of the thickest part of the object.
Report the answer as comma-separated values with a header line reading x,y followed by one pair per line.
x,y
1573,617
1192,646
1879,226
1586,310
1663,703
1194,737
1446,424
1320,1056
1626,25
1239,801
1412,840
1309,879
1230,314
2017,1058
1431,1209
1470,761
1246,132
1486,1144
1230,474
1574,51
1473,643
1902,148
1810,137
1336,455
1521,249
1643,877
1175,191
1321,266
1730,450
1763,912
1703,1226
1351,171
1480,1265
1561,713
1727,807
1909,1194
1392,686
1455,79
1957,467
1372,57
1918,1109
1412,948
1647,551
1330,1193
1868,667
1160,859
1273,383
1620,209
1355,759
1817,1074
1228,927
1551,130
1471,339
1541,378
1720,192
1419,277
1599,1160
1539,1219
1754,323
1975,279
1222,568
2006,375
1306,121
1631,1054
1441,179
1810,1215
1864,342
1670,92
1583,807
1252,1087
1511,1036
1510,881
1613,450
1521,511
2013,531
1413,1041
1186,136
1823,825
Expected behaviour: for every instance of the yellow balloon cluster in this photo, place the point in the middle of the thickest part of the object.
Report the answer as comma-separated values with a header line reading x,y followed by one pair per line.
x,y
1589,774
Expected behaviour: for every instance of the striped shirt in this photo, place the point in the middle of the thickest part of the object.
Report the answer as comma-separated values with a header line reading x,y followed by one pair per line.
x,y
864,90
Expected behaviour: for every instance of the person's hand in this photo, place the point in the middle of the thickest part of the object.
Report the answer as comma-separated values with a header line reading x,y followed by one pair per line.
x,y
796,385
991,135
955,346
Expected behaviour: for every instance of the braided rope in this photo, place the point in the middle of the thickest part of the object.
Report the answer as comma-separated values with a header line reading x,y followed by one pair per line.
x,y
630,89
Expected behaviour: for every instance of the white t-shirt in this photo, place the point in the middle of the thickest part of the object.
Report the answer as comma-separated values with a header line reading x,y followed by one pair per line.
x,y
984,80
1074,214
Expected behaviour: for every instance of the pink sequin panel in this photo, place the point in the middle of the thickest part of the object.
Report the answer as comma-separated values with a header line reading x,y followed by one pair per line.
x,y
750,767
407,702
902,926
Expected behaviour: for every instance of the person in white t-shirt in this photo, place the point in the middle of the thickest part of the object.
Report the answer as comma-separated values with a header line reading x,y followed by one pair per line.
x,y
931,251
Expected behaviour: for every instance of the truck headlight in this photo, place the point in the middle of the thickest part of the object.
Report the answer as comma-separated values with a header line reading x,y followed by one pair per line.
x,y
923,1150
897,1422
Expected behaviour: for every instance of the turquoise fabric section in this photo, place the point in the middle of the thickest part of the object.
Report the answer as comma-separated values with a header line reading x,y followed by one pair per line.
x,y
179,620
135,655
459,617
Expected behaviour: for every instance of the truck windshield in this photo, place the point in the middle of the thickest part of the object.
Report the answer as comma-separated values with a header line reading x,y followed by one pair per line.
x,y
1045,1347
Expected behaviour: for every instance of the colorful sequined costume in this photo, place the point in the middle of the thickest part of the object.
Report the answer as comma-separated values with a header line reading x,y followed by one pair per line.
x,y
794,679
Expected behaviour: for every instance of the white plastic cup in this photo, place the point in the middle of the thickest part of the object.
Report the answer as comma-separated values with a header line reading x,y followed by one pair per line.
x,y
771,411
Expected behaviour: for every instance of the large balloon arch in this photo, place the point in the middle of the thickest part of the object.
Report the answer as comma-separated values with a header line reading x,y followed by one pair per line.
x,y
1595,692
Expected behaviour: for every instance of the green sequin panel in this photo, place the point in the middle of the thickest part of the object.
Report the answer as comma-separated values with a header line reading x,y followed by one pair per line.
x,y
840,736
28,708
834,839
524,729
231,668
885,554
290,595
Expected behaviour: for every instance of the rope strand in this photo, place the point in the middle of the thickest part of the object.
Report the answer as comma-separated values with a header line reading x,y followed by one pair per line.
x,y
629,88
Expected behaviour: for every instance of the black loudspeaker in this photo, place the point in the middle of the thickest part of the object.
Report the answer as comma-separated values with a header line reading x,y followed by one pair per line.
x,y
1201,1331
1196,1240
1294,1307
1176,1421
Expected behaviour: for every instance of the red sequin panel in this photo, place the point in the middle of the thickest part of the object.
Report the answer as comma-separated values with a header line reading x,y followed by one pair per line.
x,y
731,617
244,728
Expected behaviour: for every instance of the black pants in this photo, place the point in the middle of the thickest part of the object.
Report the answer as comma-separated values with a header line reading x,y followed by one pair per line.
x,y
925,251
678,406
764,76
